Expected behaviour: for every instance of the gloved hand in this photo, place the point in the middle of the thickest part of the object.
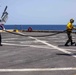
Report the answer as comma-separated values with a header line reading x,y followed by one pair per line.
x,y
74,28
3,28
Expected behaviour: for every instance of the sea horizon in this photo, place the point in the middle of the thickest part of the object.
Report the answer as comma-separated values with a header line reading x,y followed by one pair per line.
x,y
35,27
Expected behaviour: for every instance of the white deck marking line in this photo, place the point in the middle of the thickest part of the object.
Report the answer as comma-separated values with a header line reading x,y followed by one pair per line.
x,y
42,46
55,47
71,50
60,41
36,46
14,44
9,39
55,38
38,69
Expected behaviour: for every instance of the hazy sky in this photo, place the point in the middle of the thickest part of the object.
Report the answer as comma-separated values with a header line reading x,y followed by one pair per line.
x,y
39,11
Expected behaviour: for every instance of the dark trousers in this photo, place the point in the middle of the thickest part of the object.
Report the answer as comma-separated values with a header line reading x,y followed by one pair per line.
x,y
0,38
69,38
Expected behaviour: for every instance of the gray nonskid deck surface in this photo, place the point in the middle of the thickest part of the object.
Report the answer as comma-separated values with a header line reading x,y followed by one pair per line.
x,y
22,55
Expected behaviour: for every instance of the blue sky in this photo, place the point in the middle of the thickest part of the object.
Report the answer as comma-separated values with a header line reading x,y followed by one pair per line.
x,y
39,11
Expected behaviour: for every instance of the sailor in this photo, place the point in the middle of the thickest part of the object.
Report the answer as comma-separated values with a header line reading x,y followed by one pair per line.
x,y
69,29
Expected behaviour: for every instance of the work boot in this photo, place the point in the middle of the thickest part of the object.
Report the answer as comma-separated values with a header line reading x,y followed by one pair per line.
x,y
75,44
72,43
1,45
66,45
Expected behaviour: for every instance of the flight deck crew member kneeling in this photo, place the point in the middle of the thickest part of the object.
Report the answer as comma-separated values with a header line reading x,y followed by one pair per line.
x,y
70,27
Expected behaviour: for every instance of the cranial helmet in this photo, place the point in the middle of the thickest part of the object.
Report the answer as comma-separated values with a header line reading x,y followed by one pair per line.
x,y
71,20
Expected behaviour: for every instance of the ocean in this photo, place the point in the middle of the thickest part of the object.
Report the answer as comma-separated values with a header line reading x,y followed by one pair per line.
x,y
36,27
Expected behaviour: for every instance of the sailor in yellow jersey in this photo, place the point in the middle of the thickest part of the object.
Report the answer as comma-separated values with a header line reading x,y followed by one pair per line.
x,y
70,27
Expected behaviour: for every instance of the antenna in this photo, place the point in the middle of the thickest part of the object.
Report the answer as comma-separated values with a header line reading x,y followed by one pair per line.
x,y
4,11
